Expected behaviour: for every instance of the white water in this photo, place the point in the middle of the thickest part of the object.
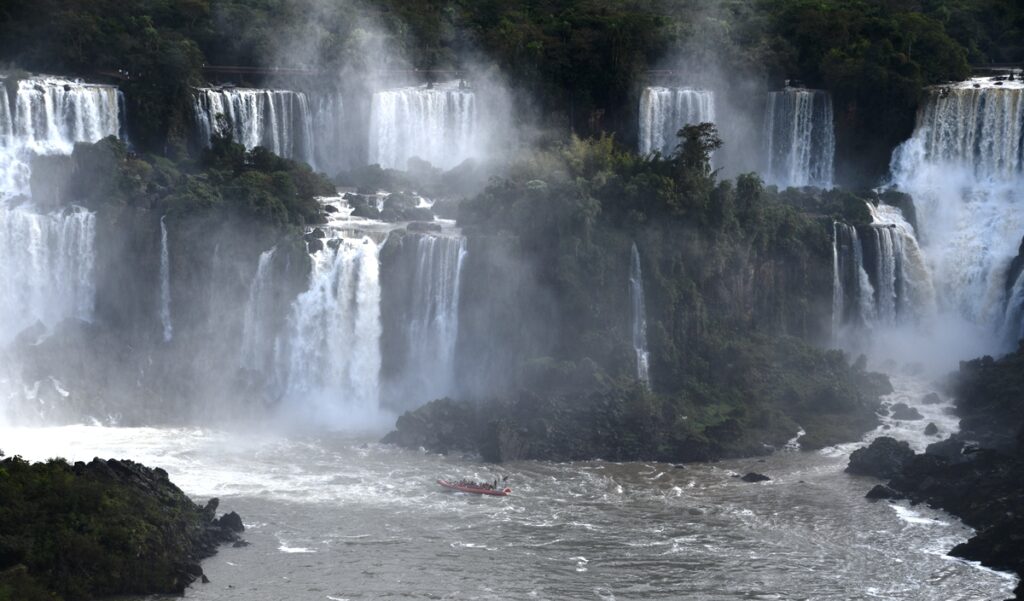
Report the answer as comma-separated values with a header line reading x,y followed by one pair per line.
x,y
331,357
165,284
636,294
334,518
46,267
438,124
50,115
800,138
279,120
963,167
664,111
258,341
434,322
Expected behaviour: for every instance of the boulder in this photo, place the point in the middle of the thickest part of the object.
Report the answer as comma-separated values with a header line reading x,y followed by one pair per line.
x,y
315,245
902,411
231,521
931,429
881,491
755,477
883,458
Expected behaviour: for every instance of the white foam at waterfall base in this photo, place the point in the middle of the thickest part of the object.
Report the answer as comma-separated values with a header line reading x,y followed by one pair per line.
x,y
332,354
664,111
437,123
962,167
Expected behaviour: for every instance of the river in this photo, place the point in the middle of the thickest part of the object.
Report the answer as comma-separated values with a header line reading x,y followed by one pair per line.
x,y
333,516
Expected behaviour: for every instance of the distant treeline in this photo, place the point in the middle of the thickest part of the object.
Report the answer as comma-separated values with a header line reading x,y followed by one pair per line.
x,y
579,61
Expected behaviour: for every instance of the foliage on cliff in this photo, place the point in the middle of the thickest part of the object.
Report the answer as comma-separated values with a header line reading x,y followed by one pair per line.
x,y
737,280
578,61
227,178
77,532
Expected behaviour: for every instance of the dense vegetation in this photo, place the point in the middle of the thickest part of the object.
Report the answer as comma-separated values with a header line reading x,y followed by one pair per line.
x,y
578,62
737,279
227,179
76,532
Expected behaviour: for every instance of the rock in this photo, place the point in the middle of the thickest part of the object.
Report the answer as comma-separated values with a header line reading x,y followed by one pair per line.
x,y
423,226
205,579
315,245
883,458
231,521
330,209
316,234
931,429
755,477
931,398
951,449
881,491
904,412
366,212
238,544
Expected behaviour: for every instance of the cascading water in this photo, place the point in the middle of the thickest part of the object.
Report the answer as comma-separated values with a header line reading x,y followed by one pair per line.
x,y
636,294
880,278
331,358
664,111
279,120
800,135
46,267
964,168
50,115
257,337
165,284
47,258
437,123
428,311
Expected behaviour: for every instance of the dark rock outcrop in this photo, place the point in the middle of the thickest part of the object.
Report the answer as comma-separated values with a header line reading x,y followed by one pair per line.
x,y
902,411
101,528
931,429
881,491
755,477
883,458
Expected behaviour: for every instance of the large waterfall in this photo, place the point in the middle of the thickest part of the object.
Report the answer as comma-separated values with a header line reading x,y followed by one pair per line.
x,y
425,289
636,294
47,257
963,167
49,115
46,267
332,354
664,111
881,279
279,120
437,123
800,138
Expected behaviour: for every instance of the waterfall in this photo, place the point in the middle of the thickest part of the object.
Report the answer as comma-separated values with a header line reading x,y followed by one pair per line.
x,y
664,111
331,359
331,142
1013,320
636,293
165,283
47,257
49,116
964,167
800,137
880,278
256,330
431,318
279,120
436,123
46,267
